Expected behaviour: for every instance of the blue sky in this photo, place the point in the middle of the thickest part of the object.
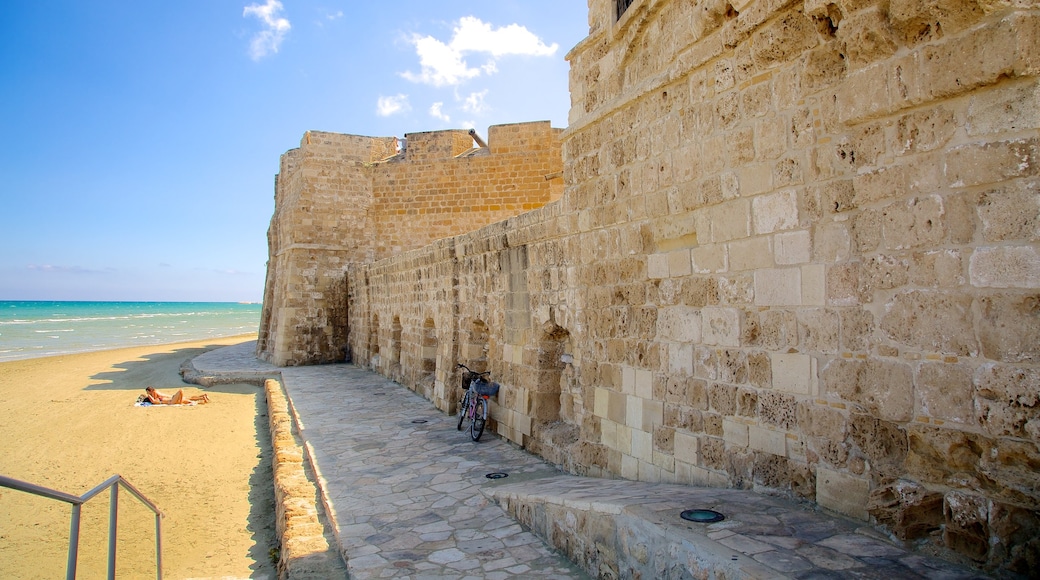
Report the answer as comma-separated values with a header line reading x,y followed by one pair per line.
x,y
139,140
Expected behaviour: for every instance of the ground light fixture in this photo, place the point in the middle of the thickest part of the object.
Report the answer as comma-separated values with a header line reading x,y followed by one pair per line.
x,y
702,516
496,475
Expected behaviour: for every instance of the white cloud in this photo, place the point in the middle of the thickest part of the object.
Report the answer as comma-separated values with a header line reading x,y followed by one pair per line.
x,y
387,106
444,64
268,40
475,103
436,112
335,16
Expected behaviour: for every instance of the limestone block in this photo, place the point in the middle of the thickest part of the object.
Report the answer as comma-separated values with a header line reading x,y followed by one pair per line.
x,y
1010,212
867,37
608,433
679,324
993,162
1014,537
624,439
945,391
601,402
885,388
792,247
734,432
967,524
755,179
794,373
1004,107
1008,328
680,359
642,445
925,130
777,409
783,39
767,440
644,383
814,284
884,443
729,220
775,212
653,415
922,20
750,254
931,321
1005,267
617,407
634,412
1007,400
842,492
778,287
820,330
909,510
657,266
708,259
917,222
679,263
629,467
686,448
720,326
938,269
722,399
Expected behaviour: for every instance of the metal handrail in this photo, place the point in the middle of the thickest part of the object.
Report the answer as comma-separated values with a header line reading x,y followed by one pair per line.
x,y
113,483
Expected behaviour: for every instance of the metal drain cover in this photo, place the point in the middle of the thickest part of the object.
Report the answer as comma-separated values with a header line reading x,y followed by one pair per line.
x,y
420,421
702,516
498,475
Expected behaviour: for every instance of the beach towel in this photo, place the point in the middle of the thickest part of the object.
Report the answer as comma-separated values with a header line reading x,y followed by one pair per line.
x,y
147,404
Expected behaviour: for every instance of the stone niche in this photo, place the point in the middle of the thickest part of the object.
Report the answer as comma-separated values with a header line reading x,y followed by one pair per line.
x,y
796,249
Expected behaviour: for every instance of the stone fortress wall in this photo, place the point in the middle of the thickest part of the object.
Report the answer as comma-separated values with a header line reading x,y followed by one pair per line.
x,y
797,250
347,199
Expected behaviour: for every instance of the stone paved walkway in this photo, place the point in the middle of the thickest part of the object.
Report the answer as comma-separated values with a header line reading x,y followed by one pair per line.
x,y
408,497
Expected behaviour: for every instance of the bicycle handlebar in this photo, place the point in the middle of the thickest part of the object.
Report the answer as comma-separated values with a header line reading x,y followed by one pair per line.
x,y
462,366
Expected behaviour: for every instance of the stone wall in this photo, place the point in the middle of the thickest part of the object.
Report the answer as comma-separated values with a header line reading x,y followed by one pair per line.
x,y
347,199
797,250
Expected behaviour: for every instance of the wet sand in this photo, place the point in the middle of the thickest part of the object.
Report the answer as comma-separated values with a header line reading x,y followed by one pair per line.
x,y
69,423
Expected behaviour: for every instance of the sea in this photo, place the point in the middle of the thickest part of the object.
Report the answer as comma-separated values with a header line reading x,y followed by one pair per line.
x,y
31,329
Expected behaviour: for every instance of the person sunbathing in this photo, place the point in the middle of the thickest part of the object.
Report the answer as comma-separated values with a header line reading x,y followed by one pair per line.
x,y
157,398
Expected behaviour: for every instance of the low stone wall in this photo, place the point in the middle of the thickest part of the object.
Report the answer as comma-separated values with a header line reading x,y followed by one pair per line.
x,y
307,551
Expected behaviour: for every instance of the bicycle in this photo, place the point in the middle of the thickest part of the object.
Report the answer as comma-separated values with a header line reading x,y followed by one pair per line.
x,y
475,402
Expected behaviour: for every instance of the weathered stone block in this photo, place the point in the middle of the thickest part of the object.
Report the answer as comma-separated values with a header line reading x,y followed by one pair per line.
x,y
979,164
909,510
721,326
866,37
917,222
819,330
967,524
945,391
792,248
775,212
885,388
1005,267
1009,328
931,321
1007,400
842,493
884,443
1004,107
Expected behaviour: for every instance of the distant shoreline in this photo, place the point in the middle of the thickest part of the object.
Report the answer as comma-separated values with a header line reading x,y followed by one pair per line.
x,y
163,345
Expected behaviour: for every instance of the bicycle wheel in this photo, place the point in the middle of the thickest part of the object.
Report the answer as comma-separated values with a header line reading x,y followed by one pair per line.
x,y
476,428
463,408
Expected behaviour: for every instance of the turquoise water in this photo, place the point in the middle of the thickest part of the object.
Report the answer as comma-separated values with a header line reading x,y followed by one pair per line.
x,y
30,329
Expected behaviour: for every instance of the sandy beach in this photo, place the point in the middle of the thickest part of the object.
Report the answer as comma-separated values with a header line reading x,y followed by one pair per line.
x,y
69,423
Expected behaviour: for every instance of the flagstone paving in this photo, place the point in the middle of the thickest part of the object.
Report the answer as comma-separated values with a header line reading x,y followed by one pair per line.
x,y
408,496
